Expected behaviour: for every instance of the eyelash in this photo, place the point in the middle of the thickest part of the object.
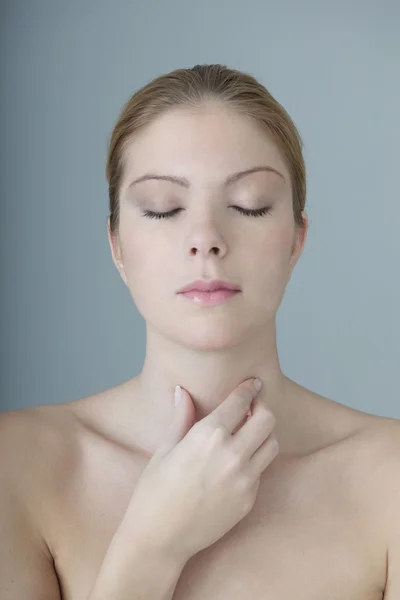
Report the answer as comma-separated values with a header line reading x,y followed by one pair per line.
x,y
259,212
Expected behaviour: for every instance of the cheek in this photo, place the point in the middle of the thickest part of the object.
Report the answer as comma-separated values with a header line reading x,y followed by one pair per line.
x,y
147,269
268,269
273,251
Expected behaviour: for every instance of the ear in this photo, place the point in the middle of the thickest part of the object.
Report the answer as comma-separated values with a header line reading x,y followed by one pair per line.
x,y
116,252
299,242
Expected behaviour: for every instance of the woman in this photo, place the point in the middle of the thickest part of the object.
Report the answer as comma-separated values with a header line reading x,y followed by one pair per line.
x,y
207,189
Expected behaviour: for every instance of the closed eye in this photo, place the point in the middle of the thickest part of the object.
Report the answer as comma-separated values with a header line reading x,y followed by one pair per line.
x,y
259,212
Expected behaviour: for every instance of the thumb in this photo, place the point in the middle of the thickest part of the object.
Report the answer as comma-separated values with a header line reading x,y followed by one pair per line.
x,y
183,419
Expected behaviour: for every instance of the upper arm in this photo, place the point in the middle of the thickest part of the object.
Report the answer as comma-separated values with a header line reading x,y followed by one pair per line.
x,y
392,502
392,589
26,567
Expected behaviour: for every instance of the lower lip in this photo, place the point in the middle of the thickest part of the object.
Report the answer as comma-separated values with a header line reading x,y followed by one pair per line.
x,y
210,298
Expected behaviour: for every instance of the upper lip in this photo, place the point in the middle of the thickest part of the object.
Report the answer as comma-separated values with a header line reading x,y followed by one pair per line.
x,y
209,286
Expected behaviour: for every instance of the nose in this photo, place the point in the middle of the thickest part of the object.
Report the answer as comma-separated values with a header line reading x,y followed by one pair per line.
x,y
206,240
195,250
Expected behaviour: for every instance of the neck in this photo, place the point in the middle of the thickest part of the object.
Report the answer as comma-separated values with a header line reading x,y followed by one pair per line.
x,y
209,375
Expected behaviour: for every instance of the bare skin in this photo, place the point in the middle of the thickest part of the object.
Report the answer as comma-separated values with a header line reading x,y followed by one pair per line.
x,y
323,518
315,531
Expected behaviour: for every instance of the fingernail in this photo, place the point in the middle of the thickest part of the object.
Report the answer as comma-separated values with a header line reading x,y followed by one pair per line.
x,y
177,394
258,384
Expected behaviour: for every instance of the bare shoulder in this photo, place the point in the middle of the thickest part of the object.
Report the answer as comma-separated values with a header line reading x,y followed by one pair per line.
x,y
32,433
379,443
381,461
37,453
30,451
372,440
24,436
363,460
319,424
377,440
361,448
43,446
385,431
369,460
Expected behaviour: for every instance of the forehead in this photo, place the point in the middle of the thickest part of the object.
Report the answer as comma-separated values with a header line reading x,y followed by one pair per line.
x,y
207,143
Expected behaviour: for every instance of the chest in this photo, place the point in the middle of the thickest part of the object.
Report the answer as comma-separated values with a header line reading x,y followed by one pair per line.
x,y
305,538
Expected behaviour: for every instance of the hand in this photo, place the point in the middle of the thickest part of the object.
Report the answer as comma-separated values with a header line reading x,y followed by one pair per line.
x,y
204,478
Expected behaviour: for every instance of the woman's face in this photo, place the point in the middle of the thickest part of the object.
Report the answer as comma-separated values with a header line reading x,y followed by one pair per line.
x,y
207,237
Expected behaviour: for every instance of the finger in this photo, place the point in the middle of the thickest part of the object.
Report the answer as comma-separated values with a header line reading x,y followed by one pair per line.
x,y
255,430
232,410
263,457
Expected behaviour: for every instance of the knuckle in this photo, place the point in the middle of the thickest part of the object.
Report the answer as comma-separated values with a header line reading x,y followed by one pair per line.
x,y
202,431
269,418
233,462
219,433
245,484
248,505
272,446
250,499
272,436
275,446
240,447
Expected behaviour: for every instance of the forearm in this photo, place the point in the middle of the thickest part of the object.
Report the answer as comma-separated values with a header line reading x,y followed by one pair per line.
x,y
138,573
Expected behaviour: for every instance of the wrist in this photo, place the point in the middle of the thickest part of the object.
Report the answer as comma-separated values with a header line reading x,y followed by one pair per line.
x,y
153,547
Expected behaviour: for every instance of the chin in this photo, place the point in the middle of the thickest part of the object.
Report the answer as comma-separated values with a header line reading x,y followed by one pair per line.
x,y
209,337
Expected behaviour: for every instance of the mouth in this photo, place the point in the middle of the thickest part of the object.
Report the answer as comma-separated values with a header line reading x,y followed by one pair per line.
x,y
210,286
210,298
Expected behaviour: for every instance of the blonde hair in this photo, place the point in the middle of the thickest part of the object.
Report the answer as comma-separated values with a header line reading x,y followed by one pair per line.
x,y
190,87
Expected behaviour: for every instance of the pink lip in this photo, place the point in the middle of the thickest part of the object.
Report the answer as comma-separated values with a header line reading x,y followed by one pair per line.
x,y
210,298
209,286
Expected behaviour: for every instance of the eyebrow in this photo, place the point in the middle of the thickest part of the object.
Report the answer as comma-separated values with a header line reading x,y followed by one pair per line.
x,y
185,183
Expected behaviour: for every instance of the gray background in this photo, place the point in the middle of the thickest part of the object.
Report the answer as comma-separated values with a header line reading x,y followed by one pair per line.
x,y
69,327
